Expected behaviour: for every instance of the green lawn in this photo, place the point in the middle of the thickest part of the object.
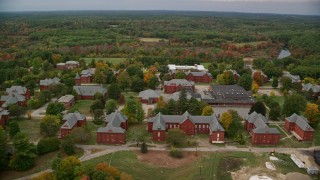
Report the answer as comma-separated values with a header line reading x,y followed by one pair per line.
x,y
84,106
250,43
128,95
147,40
111,60
135,130
316,138
279,99
213,165
30,127
205,65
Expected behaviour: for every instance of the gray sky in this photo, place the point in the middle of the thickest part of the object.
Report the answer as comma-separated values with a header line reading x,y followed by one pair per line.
x,y
306,7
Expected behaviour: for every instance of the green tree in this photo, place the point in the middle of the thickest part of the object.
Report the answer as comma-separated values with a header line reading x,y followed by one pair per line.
x,y
194,106
80,134
55,108
235,125
275,82
97,104
133,110
245,81
153,82
13,128
3,149
16,110
294,104
68,145
286,83
182,104
124,80
275,110
50,125
67,167
137,84
176,137
180,75
111,106
48,144
114,91
258,107
144,148
25,153
172,107
207,111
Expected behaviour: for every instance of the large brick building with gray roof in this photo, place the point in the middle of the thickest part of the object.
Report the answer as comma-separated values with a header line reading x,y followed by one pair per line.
x,y
257,125
114,131
299,127
191,125
15,95
175,85
70,121
88,92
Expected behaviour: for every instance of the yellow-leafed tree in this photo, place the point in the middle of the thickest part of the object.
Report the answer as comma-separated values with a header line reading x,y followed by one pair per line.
x,y
311,112
207,111
226,120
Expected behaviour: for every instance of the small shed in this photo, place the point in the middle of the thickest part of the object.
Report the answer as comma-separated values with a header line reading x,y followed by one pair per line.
x,y
312,170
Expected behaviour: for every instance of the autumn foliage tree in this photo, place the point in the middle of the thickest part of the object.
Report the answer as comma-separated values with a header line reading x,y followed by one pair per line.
x,y
50,125
66,167
207,111
312,113
258,78
226,120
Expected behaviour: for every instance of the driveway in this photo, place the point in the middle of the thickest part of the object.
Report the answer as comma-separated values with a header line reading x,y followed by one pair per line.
x,y
41,112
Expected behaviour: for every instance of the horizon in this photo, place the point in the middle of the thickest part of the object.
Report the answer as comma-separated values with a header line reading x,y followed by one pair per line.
x,y
281,7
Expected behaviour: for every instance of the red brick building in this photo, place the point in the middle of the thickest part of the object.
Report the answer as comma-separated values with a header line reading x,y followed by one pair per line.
x,y
67,100
201,77
88,92
148,96
114,132
191,125
175,85
15,95
70,121
87,76
257,125
299,127
4,117
44,84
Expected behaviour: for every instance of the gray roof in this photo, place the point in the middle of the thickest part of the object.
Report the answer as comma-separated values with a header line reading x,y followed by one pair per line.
x,y
88,72
18,89
77,76
266,130
159,121
114,123
308,86
181,82
89,90
12,98
254,116
294,78
260,122
66,98
198,73
301,121
72,62
147,94
71,119
48,82
3,112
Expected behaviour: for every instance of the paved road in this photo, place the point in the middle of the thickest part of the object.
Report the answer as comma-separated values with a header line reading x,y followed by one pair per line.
x,y
40,113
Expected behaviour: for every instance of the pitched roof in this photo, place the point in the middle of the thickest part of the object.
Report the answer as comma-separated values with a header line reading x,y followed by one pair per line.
x,y
159,121
301,121
89,90
185,67
294,78
260,122
12,98
308,86
48,82
195,73
88,72
18,89
72,62
71,119
77,76
181,82
66,98
114,123
147,94
266,130
3,112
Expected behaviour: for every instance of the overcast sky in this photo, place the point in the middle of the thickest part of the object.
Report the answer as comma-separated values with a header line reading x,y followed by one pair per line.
x,y
306,7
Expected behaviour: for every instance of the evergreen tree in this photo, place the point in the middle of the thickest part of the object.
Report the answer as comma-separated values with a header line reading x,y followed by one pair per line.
x,y
258,107
182,102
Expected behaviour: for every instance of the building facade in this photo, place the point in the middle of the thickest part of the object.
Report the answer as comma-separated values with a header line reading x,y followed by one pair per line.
x,y
4,117
199,77
44,84
189,124
175,85
88,92
299,127
15,95
70,121
148,96
67,100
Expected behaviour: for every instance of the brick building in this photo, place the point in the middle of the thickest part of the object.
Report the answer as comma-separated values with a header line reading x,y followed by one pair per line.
x,y
148,96
67,65
299,127
191,125
88,92
44,84
67,100
114,131
175,85
4,117
15,95
70,121
261,134
201,77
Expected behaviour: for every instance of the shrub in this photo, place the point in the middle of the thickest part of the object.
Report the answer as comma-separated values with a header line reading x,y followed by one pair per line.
x,y
176,153
68,146
144,148
48,144
55,163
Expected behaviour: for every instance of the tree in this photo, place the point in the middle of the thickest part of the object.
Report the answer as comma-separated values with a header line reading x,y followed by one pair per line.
x,y
68,145
176,137
161,103
137,84
275,82
172,107
194,106
3,149
124,80
275,110
258,78
80,134
180,75
48,144
13,128
16,110
286,83
25,153
50,125
226,78
111,106
258,107
55,108
66,168
207,111
144,148
245,81
294,104
234,127
97,104
45,176
114,91
97,116
226,120
133,110
182,104
153,82
254,87
311,109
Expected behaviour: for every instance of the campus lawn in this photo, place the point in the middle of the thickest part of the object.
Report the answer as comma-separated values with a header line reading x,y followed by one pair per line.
x,y
84,106
141,128
30,127
149,40
110,60
316,138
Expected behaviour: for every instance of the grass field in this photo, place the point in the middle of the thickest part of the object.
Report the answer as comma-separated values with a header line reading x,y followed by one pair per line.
x,y
250,43
30,127
149,40
84,106
110,60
